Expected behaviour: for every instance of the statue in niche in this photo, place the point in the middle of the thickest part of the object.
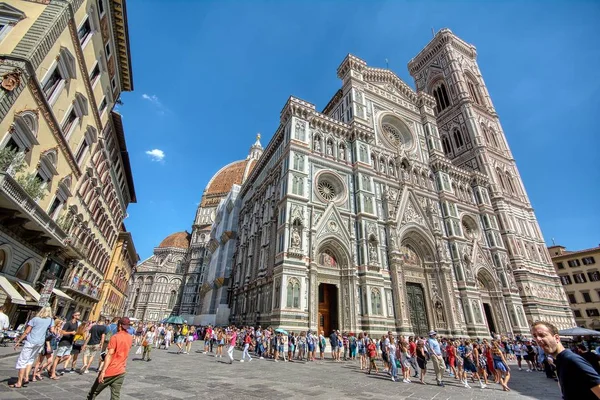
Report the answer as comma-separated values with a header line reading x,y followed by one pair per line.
x,y
511,278
296,239
373,251
329,149
439,312
382,167
477,312
342,153
318,144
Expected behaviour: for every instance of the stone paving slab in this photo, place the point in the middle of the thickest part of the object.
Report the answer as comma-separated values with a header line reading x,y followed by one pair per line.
x,y
195,375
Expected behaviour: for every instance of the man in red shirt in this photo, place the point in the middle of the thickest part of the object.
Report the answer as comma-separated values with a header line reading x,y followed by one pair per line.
x,y
412,350
113,370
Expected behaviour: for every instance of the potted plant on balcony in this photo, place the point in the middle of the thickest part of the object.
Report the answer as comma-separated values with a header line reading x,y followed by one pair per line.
x,y
12,161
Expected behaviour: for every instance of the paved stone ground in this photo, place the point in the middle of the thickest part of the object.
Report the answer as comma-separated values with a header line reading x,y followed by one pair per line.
x,y
172,376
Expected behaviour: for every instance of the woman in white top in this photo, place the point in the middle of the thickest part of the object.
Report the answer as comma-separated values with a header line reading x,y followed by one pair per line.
x,y
148,341
168,337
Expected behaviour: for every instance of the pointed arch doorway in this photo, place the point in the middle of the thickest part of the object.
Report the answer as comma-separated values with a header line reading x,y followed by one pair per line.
x,y
487,292
328,308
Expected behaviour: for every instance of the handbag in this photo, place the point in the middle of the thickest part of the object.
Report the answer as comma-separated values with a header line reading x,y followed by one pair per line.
x,y
144,343
79,342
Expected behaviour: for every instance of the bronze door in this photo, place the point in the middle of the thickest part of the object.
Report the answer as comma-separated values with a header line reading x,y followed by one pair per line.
x,y
417,309
327,308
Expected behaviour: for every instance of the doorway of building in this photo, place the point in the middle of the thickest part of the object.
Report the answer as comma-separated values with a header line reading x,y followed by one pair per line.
x,y
417,309
328,308
487,309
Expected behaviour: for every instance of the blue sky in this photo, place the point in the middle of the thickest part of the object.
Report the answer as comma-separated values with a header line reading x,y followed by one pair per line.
x,y
209,75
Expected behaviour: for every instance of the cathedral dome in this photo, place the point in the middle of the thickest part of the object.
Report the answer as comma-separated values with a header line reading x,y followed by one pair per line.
x,y
234,173
179,239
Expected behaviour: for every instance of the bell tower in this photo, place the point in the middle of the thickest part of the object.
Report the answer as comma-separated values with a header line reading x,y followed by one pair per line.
x,y
472,138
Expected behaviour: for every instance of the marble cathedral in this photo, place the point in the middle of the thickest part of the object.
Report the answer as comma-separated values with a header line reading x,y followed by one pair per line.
x,y
394,209
391,209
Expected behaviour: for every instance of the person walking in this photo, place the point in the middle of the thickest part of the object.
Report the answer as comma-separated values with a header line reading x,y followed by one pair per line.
x,y
147,343
112,373
93,344
577,378
34,337
232,339
78,346
372,353
63,351
436,358
247,341
421,356
4,321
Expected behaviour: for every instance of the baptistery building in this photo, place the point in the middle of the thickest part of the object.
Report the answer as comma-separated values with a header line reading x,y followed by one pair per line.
x,y
392,209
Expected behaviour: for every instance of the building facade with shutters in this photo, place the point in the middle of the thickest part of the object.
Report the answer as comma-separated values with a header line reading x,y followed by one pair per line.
x,y
66,180
394,209
579,272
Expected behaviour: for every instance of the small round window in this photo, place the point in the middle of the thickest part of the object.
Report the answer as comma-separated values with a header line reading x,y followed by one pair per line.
x,y
330,187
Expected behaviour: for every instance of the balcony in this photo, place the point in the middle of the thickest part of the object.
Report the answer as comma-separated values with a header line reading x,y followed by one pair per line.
x,y
19,210
78,246
82,288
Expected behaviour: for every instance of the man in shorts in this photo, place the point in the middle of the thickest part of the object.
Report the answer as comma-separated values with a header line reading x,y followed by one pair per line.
x,y
112,373
63,352
517,349
333,340
93,344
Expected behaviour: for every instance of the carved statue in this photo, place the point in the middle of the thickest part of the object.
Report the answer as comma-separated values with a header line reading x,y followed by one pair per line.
x,y
318,144
329,149
296,239
342,153
439,312
373,252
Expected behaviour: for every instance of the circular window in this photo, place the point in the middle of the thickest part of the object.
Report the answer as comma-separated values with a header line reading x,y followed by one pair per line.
x,y
469,227
326,190
395,132
330,187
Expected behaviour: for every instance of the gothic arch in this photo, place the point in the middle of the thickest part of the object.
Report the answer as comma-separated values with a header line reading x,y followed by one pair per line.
x,y
334,249
419,240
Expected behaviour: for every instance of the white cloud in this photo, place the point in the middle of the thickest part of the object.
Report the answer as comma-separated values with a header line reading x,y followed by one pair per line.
x,y
152,98
156,154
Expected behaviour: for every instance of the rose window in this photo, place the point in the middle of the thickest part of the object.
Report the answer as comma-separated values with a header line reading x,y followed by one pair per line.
x,y
392,133
329,187
326,190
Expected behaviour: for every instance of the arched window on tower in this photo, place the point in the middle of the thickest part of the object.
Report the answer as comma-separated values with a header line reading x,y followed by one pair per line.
x,y
441,97
446,145
458,139
473,91
501,178
510,184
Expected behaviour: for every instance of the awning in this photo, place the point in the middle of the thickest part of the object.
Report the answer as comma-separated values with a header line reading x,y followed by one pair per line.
x,y
62,294
10,290
29,289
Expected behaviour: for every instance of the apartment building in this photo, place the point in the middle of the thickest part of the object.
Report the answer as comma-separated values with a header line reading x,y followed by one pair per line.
x,y
65,179
579,272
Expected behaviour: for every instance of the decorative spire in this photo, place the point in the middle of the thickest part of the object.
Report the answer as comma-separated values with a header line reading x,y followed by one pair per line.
x,y
256,150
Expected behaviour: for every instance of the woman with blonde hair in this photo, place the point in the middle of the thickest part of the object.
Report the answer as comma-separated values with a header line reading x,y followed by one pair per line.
x,y
50,344
501,368
34,337
78,345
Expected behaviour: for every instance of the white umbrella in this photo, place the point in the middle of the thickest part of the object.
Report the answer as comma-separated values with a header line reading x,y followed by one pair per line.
x,y
577,331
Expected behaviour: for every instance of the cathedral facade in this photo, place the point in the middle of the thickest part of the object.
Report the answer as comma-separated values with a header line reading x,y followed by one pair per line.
x,y
393,209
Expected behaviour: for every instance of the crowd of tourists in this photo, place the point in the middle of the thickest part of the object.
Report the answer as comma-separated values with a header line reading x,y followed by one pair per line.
x,y
52,347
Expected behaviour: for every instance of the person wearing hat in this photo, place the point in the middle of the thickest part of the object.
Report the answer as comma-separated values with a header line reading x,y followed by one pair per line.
x,y
436,357
113,370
